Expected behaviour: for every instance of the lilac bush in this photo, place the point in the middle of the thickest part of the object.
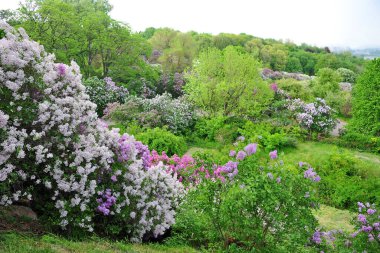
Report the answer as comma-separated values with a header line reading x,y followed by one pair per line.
x,y
55,151
104,92
315,117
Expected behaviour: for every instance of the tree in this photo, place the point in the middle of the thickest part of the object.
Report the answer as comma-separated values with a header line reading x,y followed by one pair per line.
x,y
83,31
228,82
327,81
293,65
366,100
176,50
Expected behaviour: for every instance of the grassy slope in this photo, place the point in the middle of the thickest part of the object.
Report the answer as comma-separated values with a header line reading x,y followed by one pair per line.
x,y
330,218
15,243
315,152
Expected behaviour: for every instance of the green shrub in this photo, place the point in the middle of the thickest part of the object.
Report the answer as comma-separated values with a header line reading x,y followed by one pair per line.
x,y
366,97
345,182
163,140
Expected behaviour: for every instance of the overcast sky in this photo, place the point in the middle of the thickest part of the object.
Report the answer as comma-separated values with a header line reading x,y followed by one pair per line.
x,y
344,23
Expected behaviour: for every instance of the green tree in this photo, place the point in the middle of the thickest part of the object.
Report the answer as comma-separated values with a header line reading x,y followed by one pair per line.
x,y
293,65
228,83
327,81
366,100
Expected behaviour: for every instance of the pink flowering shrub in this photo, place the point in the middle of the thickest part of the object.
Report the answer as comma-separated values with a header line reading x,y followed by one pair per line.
x,y
55,152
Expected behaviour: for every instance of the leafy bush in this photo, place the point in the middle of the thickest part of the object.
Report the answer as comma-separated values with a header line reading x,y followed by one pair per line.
x,y
269,136
345,183
77,174
163,140
103,92
352,139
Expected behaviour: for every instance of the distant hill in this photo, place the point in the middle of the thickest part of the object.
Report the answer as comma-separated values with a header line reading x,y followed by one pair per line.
x,y
366,53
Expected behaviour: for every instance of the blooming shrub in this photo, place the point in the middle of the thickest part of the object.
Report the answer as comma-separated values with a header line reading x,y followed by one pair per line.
x,y
259,206
366,237
316,117
55,152
104,92
177,114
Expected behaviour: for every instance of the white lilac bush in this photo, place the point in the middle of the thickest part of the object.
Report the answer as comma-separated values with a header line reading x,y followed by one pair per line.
x,y
315,117
103,92
177,114
55,151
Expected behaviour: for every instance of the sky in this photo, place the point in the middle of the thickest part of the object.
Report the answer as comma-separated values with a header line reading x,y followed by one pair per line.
x,y
333,23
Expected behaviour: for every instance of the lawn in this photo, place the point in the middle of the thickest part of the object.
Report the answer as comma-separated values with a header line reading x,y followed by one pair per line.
x,y
14,243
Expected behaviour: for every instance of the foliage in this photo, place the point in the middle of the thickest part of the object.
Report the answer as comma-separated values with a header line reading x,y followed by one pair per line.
x,y
357,140
228,83
345,182
270,137
295,89
258,209
104,92
163,140
177,114
54,152
84,31
175,50
327,81
366,97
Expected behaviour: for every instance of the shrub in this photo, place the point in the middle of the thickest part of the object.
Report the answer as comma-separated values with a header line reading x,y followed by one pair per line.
x,y
366,107
315,117
77,174
345,183
347,75
262,207
177,114
163,140
103,92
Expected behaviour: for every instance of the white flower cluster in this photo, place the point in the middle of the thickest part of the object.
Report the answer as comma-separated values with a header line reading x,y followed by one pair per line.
x,y
150,196
54,149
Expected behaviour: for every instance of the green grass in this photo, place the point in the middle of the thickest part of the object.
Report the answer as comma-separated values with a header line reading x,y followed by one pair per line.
x,y
330,218
20,243
315,152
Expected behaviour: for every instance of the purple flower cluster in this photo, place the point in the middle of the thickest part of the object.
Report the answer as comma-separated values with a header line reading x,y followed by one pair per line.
x,y
273,155
230,169
274,87
61,69
312,175
368,222
250,148
105,202
241,155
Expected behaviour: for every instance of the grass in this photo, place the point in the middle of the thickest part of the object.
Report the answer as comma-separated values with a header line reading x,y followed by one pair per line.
x,y
315,152
330,218
12,242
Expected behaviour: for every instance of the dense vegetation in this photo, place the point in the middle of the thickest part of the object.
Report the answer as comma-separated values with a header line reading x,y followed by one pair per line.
x,y
197,142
